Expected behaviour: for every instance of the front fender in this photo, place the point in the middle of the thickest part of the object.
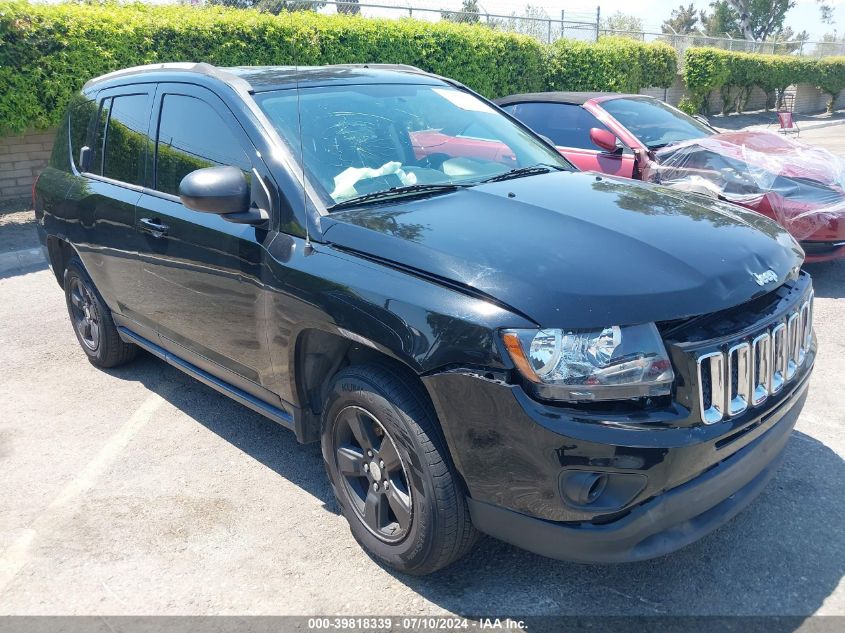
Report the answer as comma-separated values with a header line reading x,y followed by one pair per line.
x,y
415,321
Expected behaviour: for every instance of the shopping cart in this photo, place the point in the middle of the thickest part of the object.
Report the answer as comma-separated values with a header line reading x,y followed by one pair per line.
x,y
785,112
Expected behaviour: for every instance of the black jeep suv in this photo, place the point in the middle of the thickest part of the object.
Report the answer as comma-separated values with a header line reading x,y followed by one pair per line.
x,y
481,337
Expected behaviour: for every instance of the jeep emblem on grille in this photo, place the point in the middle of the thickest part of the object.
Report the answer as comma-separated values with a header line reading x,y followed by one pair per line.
x,y
765,277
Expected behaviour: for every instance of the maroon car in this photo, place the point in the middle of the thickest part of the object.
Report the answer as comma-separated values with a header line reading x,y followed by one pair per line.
x,y
635,136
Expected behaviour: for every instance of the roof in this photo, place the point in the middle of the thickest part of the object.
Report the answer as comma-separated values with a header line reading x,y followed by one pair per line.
x,y
574,98
262,78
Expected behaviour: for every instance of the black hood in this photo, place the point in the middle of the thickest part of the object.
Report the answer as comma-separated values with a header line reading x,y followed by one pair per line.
x,y
579,250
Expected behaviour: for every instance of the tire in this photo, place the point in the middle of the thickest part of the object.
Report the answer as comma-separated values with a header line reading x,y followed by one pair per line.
x,y
406,438
92,321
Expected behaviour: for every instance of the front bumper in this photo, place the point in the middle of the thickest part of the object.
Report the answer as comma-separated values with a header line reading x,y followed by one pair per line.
x,y
514,454
817,252
660,525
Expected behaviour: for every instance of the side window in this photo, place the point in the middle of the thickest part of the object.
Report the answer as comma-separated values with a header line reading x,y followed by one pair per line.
x,y
567,125
100,136
191,135
125,145
121,139
72,134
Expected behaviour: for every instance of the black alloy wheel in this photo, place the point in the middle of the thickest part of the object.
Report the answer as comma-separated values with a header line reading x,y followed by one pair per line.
x,y
84,313
374,477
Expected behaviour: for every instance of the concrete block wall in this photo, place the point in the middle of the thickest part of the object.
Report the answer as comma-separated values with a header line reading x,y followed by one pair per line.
x,y
808,99
671,95
22,158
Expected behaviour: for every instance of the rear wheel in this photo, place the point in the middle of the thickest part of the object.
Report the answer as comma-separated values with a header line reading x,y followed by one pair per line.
x,y
92,321
391,473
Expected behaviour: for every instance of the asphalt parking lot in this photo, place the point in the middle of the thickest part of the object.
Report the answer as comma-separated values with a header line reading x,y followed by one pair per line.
x,y
141,491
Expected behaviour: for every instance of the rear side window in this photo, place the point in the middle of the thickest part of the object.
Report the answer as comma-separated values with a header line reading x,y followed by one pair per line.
x,y
126,139
121,139
191,136
567,125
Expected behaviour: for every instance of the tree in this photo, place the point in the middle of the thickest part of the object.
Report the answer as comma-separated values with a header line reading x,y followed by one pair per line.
x,y
683,20
826,11
723,21
469,13
788,41
831,44
535,26
622,22
758,19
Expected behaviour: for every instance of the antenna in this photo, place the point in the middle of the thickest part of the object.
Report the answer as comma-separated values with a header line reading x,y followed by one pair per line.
x,y
309,248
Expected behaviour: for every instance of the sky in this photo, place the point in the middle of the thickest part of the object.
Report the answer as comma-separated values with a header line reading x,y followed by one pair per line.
x,y
804,16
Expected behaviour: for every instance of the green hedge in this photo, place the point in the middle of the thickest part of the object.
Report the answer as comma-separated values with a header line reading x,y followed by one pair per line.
x,y
830,77
736,74
48,51
613,64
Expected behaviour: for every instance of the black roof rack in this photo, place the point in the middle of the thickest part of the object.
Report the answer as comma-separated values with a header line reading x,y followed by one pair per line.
x,y
225,76
190,67
401,67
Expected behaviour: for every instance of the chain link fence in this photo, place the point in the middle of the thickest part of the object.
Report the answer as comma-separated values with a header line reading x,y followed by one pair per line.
x,y
535,21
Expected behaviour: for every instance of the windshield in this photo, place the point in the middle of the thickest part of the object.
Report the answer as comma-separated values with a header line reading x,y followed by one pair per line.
x,y
653,122
362,139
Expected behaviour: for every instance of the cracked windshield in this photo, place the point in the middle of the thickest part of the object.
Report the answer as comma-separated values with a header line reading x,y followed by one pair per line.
x,y
365,140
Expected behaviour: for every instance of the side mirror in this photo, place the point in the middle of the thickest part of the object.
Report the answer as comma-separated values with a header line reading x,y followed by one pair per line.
x,y
85,156
223,191
603,139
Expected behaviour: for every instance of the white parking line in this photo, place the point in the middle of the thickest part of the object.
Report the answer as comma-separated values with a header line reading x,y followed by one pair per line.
x,y
18,554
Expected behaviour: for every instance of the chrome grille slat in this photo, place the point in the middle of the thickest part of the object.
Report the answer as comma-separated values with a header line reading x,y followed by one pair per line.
x,y
739,370
761,368
779,357
748,372
806,328
792,328
715,366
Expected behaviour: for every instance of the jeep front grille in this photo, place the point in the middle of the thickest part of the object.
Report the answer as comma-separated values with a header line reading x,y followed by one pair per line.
x,y
750,370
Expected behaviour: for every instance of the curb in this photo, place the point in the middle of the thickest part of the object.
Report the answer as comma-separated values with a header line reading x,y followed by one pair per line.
x,y
17,262
804,126
813,125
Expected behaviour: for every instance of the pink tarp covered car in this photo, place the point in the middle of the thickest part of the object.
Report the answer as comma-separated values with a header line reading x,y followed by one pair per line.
x,y
634,136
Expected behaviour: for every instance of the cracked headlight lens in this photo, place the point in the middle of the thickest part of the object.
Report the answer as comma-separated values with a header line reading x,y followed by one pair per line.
x,y
610,363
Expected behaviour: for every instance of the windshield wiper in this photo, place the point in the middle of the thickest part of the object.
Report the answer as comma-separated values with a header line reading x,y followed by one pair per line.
x,y
520,172
662,145
396,192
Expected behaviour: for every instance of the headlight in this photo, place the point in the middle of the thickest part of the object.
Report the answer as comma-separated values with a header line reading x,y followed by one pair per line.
x,y
612,363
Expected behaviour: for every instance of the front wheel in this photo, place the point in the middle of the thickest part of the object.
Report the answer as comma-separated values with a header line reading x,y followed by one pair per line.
x,y
391,473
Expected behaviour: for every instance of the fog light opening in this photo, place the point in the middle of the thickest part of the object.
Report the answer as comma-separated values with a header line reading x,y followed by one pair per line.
x,y
584,488
596,488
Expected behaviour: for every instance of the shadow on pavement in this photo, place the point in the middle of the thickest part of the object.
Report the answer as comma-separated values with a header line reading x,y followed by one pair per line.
x,y
255,435
770,119
828,278
783,556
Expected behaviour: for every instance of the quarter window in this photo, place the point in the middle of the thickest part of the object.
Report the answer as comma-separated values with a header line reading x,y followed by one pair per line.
x,y
122,137
567,125
80,119
191,136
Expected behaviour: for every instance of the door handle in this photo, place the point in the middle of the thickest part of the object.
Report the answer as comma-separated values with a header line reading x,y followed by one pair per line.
x,y
153,226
